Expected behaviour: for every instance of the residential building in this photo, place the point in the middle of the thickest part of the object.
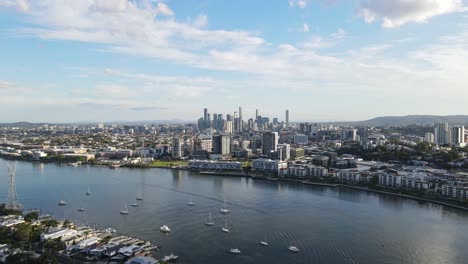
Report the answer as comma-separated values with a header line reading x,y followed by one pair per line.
x,y
268,165
269,142
177,148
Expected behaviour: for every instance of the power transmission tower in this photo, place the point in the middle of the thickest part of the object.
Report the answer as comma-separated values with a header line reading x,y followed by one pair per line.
x,y
12,202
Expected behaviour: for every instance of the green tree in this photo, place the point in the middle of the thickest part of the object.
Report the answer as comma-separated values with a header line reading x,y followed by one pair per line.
x,y
32,216
22,232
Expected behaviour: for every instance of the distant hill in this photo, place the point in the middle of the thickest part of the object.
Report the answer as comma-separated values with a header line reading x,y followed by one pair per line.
x,y
412,120
21,124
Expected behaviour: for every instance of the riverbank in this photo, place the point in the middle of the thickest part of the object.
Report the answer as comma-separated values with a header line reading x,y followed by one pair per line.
x,y
405,196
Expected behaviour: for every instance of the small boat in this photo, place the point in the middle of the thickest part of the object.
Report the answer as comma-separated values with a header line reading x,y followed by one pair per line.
x,y
110,230
139,196
293,249
62,203
125,210
170,258
235,251
134,204
165,229
225,227
88,192
81,209
224,210
264,241
209,222
191,203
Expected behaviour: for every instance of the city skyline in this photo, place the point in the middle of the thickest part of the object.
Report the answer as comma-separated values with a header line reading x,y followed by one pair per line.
x,y
73,61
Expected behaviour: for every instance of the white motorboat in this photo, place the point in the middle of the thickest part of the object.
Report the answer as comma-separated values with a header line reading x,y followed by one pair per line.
x,y
62,203
209,222
191,203
165,229
224,210
225,227
125,210
235,251
264,241
134,204
170,258
81,209
293,249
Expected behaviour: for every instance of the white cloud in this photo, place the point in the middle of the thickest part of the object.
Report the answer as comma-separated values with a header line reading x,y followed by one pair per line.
x,y
164,9
201,21
302,3
20,5
395,13
110,5
6,84
298,3
114,90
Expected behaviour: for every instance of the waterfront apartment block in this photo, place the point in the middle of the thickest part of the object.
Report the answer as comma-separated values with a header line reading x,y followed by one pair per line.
x,y
214,165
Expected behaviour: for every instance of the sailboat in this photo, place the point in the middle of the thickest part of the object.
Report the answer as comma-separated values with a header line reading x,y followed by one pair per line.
x,y
139,196
210,221
88,192
224,210
135,204
125,210
264,241
225,227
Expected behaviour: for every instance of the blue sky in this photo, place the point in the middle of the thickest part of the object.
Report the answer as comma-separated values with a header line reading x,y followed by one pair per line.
x,y
324,60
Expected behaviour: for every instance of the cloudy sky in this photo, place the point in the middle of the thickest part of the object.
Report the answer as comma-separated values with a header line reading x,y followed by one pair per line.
x,y
101,60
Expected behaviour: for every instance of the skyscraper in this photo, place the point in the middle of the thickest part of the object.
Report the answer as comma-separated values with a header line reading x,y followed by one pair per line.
x,y
241,122
287,118
205,114
458,136
269,142
256,114
442,133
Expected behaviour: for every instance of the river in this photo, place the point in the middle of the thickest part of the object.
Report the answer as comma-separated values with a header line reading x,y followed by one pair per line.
x,y
328,225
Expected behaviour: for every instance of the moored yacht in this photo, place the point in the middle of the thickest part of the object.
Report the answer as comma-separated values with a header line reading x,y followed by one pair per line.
x,y
170,258
235,251
209,222
165,229
225,227
264,241
224,210
62,203
139,196
125,210
293,249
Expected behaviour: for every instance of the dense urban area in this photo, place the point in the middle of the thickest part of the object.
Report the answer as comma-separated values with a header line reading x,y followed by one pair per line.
x,y
420,161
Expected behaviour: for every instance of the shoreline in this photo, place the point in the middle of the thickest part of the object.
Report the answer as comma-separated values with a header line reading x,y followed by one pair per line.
x,y
406,196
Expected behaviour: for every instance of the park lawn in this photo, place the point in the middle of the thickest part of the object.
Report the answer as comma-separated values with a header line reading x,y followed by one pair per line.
x,y
160,163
